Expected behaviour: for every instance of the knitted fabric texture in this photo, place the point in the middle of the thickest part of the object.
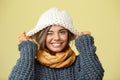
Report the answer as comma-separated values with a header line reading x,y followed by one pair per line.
x,y
59,60
86,67
53,16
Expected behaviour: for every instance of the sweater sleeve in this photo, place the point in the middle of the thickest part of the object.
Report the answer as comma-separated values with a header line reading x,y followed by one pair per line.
x,y
24,68
89,61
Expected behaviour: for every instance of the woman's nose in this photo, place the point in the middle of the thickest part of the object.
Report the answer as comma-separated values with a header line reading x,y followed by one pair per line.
x,y
56,37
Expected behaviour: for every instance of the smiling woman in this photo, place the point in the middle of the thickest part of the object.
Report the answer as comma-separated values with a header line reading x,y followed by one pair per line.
x,y
50,57
56,39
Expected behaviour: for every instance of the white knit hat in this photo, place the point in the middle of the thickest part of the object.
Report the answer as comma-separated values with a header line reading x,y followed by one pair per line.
x,y
51,17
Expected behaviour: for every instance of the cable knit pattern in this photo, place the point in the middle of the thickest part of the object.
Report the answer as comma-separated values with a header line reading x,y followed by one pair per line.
x,y
89,61
86,67
24,69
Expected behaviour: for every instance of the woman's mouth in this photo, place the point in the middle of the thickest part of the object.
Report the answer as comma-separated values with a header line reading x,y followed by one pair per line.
x,y
56,44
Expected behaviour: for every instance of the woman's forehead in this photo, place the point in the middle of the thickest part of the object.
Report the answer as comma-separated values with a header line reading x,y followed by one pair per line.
x,y
57,27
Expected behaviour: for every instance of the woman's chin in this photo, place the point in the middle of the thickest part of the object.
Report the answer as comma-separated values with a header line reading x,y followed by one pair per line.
x,y
56,51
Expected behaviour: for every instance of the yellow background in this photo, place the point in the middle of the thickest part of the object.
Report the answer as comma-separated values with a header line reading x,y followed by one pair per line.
x,y
101,17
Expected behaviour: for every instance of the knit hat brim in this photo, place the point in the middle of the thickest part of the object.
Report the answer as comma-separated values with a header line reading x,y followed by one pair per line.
x,y
53,16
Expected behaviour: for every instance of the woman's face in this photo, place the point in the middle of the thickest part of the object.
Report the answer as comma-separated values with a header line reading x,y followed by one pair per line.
x,y
57,38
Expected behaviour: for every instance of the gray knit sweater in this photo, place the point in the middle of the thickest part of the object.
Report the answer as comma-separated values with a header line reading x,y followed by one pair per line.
x,y
86,67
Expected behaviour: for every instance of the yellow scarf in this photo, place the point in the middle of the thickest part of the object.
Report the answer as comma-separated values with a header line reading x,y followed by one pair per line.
x,y
59,60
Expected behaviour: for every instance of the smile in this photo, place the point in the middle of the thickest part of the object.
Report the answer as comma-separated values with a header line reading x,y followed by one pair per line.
x,y
56,44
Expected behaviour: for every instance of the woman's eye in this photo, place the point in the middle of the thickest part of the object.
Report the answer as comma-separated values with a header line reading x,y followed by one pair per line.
x,y
62,32
49,33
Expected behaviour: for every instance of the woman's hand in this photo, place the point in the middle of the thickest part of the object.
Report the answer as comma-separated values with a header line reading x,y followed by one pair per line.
x,y
83,33
23,37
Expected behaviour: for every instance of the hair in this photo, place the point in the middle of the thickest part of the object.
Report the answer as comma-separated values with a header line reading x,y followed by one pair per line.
x,y
41,36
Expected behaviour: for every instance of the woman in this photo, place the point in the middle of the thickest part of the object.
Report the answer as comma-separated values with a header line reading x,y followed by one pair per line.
x,y
49,56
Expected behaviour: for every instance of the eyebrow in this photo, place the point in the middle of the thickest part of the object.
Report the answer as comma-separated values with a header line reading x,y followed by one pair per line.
x,y
62,29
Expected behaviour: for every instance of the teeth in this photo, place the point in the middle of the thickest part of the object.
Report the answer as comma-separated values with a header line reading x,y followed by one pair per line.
x,y
56,45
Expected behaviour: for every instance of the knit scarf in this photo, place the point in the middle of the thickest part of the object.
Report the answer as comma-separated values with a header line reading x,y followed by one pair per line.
x,y
59,60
